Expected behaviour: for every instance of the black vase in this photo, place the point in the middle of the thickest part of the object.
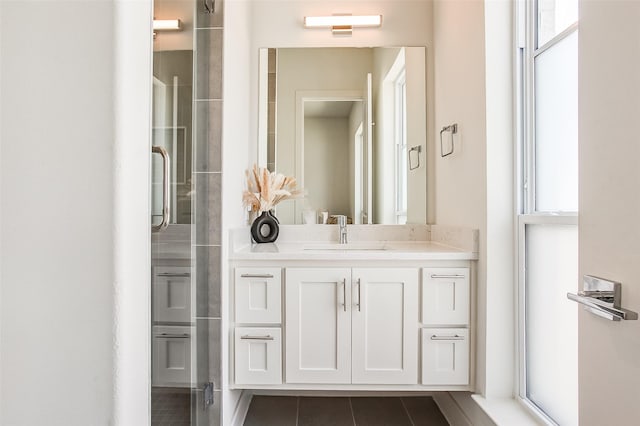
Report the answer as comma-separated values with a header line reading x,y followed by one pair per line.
x,y
265,228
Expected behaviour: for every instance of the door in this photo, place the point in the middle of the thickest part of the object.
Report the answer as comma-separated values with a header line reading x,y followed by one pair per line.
x,y
609,203
178,334
385,326
318,325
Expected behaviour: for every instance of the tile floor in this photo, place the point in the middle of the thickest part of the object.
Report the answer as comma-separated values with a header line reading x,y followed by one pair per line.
x,y
170,407
344,411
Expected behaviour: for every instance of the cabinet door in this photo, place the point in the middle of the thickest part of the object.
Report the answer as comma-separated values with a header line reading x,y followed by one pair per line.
x,y
258,356
172,294
385,326
318,325
445,296
258,296
445,356
172,356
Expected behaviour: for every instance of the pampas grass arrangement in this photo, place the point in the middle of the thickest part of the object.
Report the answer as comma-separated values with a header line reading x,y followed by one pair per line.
x,y
266,189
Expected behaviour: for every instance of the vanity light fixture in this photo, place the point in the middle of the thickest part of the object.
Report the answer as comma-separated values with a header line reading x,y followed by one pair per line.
x,y
167,25
342,24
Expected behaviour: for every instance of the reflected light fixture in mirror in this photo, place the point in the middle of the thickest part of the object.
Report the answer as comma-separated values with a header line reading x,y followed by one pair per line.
x,y
166,24
342,24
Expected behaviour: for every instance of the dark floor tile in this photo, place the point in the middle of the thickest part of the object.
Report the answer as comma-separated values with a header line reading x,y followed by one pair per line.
x,y
424,411
272,411
170,407
369,411
320,411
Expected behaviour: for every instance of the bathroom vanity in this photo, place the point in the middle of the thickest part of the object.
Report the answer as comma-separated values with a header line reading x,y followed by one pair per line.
x,y
393,309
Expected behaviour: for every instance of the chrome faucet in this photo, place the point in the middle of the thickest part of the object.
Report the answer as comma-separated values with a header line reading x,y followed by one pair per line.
x,y
342,223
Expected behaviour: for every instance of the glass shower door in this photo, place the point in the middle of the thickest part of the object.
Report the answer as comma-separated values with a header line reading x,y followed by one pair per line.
x,y
173,296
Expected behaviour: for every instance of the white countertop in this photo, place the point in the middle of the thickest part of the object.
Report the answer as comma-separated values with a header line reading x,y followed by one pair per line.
x,y
364,250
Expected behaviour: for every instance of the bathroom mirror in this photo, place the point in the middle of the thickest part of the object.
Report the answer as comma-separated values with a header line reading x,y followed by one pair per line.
x,y
350,125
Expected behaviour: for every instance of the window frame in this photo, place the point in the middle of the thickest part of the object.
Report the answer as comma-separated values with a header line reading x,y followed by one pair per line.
x,y
400,137
526,18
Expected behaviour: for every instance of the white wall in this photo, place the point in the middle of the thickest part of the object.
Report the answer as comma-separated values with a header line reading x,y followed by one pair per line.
x,y
609,202
236,85
326,150
74,224
415,60
474,185
460,187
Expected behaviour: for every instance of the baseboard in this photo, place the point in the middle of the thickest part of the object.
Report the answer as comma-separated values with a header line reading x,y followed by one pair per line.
x,y
242,408
461,410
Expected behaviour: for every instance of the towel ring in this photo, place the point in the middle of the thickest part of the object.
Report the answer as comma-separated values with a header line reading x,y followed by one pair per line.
x,y
417,148
453,129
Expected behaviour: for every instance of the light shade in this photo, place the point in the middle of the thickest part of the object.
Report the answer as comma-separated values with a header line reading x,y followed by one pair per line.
x,y
343,21
166,24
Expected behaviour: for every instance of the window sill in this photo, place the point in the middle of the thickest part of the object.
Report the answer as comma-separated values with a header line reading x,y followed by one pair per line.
x,y
507,411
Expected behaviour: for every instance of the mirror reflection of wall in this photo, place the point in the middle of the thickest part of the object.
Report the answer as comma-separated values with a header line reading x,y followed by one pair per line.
x,y
341,120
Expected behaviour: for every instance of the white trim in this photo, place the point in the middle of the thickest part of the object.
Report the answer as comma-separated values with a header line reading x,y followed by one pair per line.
x,y
556,39
451,410
504,411
132,225
242,408
263,106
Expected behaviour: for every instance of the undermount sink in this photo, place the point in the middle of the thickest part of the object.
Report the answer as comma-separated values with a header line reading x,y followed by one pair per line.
x,y
348,246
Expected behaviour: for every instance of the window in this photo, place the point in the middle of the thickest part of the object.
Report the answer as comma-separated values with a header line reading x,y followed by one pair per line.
x,y
547,207
401,148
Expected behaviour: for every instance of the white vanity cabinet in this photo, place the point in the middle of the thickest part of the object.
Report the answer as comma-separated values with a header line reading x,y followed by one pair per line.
x,y
355,326
384,326
172,294
318,325
352,324
258,319
446,296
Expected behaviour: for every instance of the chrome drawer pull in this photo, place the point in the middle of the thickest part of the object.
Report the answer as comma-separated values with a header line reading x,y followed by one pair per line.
x,y
455,337
447,276
174,274
248,337
173,336
256,276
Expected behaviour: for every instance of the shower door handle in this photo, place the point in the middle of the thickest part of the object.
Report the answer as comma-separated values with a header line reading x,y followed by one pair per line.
x,y
165,188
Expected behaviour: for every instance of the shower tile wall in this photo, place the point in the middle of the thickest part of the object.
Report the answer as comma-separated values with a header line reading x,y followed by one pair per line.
x,y
208,35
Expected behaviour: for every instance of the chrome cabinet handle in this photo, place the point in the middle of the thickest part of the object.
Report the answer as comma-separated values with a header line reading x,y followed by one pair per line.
x,y
256,276
173,336
447,276
165,188
174,274
359,296
249,337
454,337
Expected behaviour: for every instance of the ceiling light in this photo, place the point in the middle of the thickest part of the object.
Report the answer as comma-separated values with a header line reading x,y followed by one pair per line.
x,y
342,24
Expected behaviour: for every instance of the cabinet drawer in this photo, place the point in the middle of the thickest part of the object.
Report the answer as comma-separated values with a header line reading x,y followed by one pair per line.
x,y
258,356
172,356
445,356
445,296
172,294
258,295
